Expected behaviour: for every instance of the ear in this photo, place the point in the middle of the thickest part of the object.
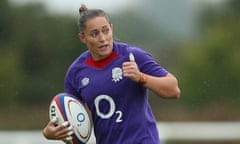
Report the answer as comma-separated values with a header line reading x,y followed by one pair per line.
x,y
82,38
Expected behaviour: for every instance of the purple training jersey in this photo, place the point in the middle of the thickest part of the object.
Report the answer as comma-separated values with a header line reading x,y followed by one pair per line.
x,y
120,109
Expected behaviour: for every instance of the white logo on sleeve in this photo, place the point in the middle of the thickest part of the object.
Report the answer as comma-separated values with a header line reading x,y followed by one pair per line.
x,y
117,74
85,81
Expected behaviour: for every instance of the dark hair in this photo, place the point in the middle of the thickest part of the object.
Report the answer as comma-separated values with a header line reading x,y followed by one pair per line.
x,y
86,14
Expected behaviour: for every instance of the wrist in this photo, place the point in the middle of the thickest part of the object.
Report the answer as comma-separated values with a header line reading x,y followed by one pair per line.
x,y
143,78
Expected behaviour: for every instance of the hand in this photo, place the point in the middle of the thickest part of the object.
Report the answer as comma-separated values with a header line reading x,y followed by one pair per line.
x,y
60,132
130,69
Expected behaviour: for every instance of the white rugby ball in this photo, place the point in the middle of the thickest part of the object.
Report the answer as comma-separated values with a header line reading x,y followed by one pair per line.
x,y
67,107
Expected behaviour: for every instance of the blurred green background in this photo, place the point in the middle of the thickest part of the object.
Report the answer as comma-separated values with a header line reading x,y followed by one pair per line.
x,y
199,44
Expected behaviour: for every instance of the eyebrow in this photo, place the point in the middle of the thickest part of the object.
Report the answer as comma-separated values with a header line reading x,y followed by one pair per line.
x,y
104,26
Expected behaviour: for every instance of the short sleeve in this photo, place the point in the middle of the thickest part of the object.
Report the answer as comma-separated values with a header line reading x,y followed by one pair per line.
x,y
68,84
147,64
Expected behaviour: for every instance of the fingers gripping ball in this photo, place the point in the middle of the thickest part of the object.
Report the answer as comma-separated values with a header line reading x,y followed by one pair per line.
x,y
66,107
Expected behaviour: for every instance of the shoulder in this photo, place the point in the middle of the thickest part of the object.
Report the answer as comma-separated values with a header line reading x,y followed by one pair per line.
x,y
141,56
120,48
71,81
138,53
124,49
78,63
145,61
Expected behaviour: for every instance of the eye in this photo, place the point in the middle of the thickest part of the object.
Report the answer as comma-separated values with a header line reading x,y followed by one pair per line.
x,y
105,30
94,34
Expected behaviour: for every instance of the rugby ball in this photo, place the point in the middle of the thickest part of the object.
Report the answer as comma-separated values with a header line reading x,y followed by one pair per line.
x,y
67,107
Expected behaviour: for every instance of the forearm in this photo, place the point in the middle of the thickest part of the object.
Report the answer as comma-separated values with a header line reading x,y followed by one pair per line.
x,y
165,87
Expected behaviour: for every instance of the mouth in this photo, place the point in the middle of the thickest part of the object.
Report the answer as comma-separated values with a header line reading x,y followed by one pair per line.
x,y
103,46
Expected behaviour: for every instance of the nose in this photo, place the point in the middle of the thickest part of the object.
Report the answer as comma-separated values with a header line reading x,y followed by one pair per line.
x,y
101,37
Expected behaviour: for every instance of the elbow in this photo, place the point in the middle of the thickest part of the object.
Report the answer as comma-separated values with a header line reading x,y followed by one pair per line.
x,y
177,93
172,94
174,91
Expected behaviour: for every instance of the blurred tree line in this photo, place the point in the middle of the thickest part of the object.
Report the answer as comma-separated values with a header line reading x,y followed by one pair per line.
x,y
209,66
36,49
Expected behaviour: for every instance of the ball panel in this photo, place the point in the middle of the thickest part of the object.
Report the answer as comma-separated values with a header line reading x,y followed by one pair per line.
x,y
79,118
67,107
56,112
60,104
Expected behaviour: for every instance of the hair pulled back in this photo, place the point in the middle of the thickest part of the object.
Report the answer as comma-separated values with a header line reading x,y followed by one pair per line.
x,y
86,14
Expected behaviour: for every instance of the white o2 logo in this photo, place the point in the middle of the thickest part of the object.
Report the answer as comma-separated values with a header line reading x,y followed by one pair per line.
x,y
111,111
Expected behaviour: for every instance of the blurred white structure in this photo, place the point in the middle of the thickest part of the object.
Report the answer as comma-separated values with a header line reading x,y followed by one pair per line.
x,y
209,131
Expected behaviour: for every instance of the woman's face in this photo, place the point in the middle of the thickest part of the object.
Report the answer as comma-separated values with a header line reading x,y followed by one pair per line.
x,y
98,37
